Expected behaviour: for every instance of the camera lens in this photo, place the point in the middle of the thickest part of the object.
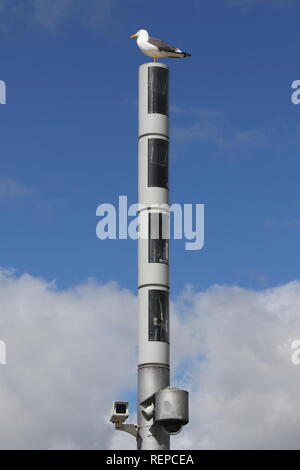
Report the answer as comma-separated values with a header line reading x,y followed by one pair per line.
x,y
121,408
172,426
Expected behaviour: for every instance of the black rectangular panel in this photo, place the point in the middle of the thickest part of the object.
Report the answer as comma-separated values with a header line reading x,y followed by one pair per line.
x,y
158,156
158,82
157,238
158,315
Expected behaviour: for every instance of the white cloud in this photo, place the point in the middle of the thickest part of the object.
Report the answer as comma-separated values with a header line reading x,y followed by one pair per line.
x,y
14,193
11,190
71,353
245,391
51,14
68,356
278,224
210,127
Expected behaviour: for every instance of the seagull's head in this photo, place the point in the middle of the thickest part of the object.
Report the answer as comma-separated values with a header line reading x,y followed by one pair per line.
x,y
140,32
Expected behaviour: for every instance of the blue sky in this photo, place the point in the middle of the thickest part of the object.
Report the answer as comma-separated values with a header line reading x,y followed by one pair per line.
x,y
69,136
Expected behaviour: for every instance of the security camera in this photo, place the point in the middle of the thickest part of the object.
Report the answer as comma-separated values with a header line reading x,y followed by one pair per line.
x,y
119,412
172,426
171,409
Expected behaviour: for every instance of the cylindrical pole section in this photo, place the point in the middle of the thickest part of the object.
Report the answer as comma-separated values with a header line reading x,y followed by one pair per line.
x,y
153,259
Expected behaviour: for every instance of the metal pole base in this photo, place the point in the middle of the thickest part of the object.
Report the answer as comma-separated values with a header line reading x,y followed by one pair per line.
x,y
151,379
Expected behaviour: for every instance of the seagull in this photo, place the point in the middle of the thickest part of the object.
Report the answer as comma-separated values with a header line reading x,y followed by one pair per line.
x,y
156,48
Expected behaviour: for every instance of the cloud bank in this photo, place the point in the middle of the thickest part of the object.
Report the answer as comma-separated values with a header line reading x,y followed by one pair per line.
x,y
71,353
68,355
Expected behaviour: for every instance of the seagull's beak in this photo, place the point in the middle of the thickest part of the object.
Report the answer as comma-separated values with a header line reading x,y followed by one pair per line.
x,y
133,36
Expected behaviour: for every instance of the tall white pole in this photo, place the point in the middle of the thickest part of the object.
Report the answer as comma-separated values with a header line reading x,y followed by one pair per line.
x,y
153,252
161,410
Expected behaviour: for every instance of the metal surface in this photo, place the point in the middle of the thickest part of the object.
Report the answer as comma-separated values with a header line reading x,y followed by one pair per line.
x,y
171,407
151,378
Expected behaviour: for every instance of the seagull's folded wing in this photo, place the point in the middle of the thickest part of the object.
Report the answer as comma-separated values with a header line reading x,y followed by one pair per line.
x,y
162,46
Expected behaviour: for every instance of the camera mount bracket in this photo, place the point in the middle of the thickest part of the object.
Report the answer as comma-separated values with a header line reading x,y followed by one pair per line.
x,y
130,428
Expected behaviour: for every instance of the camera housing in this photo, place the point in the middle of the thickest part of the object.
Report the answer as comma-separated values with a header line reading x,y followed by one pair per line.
x,y
119,412
171,409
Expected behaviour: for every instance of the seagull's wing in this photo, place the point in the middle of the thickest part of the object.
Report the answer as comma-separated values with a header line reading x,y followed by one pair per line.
x,y
162,46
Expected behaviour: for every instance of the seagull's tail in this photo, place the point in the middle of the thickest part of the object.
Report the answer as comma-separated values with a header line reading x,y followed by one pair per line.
x,y
179,54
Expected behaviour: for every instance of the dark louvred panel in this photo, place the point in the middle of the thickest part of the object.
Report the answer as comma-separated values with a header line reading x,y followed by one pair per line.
x,y
158,315
158,239
158,162
158,82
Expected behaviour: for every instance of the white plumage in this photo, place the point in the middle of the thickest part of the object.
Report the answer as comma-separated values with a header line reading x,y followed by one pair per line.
x,y
156,48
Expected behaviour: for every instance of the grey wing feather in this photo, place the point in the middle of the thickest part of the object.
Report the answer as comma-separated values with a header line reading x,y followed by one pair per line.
x,y
162,46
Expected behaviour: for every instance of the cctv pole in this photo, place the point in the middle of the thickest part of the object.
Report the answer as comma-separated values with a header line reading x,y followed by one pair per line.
x,y
153,252
161,410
